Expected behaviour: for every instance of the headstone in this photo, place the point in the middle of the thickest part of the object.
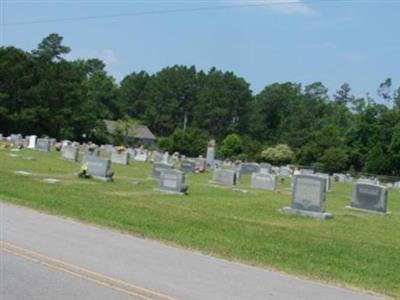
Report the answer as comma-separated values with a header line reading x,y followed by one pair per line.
x,y
349,179
188,165
70,152
53,141
98,167
338,177
306,171
32,142
265,168
91,151
165,158
120,157
249,168
276,170
43,145
396,185
16,139
217,163
210,156
201,163
308,197
226,164
264,181
158,168
141,155
328,180
227,177
172,181
157,156
369,197
132,153
285,172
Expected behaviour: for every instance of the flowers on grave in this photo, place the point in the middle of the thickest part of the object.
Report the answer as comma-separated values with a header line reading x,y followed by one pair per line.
x,y
83,172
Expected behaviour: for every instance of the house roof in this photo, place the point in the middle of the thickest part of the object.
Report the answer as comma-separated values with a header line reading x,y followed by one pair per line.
x,y
138,131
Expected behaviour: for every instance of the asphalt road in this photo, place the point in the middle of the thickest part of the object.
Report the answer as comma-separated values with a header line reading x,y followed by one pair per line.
x,y
47,257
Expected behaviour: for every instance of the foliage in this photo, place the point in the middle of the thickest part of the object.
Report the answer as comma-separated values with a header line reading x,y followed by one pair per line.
x,y
231,146
277,155
334,159
190,142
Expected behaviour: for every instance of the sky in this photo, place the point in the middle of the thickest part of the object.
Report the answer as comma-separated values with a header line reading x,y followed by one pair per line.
x,y
301,41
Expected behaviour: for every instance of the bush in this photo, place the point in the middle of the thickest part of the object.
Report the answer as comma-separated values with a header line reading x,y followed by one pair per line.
x,y
280,154
334,159
231,146
190,142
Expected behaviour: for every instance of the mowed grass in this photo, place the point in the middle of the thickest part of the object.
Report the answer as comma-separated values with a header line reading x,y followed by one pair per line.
x,y
353,249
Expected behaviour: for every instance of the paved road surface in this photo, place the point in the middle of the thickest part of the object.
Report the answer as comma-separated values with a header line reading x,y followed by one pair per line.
x,y
63,259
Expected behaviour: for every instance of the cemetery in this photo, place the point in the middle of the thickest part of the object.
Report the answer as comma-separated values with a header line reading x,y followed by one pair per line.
x,y
271,225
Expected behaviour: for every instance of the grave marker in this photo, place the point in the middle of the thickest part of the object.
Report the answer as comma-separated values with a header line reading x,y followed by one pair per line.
x,y
172,181
308,197
70,152
98,167
222,176
158,168
264,181
120,157
369,197
42,145
188,165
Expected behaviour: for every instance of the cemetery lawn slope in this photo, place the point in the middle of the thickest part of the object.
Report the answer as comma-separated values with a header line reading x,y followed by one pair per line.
x,y
353,249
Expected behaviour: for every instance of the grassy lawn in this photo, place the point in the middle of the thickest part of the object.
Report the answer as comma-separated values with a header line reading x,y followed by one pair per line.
x,y
353,249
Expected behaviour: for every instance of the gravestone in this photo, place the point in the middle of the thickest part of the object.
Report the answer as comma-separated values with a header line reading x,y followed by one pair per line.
x,y
264,181
157,156
338,177
276,170
201,163
53,141
165,158
369,197
188,165
70,152
328,180
210,156
265,168
120,157
42,145
141,155
98,167
132,153
349,179
285,171
16,139
158,168
248,169
226,164
172,181
306,171
308,197
32,142
90,151
227,177
396,185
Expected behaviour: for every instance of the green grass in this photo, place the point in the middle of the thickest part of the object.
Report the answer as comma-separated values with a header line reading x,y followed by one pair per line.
x,y
354,249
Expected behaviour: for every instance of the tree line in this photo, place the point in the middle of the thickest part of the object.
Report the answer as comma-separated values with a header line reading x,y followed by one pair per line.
x,y
42,93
